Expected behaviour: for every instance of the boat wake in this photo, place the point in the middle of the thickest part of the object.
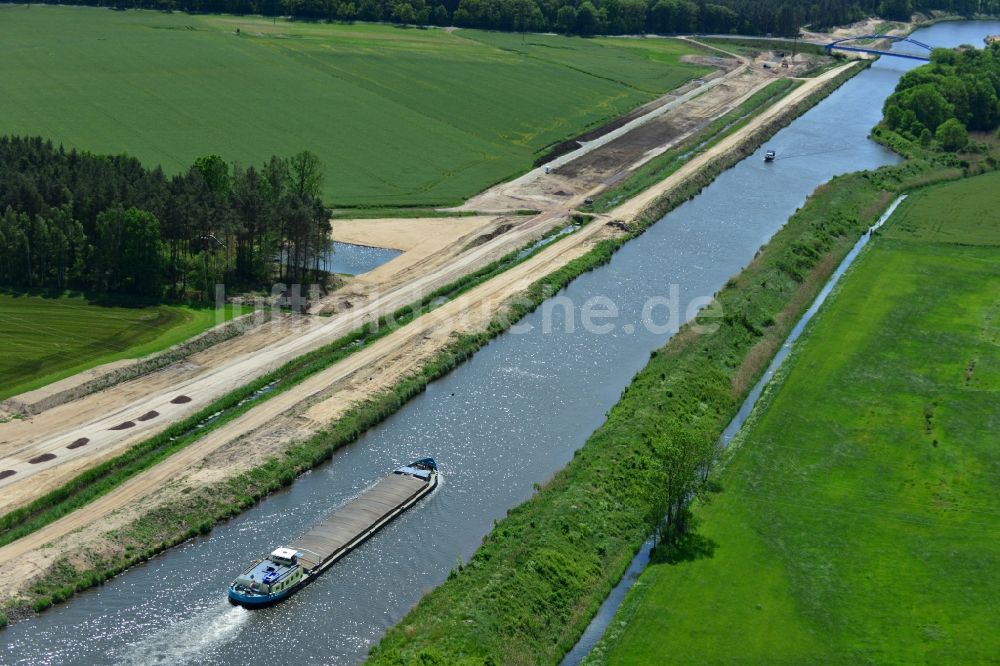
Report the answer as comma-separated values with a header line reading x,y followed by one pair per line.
x,y
187,641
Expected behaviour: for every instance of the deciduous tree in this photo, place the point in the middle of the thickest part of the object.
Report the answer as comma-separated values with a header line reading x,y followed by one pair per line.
x,y
952,135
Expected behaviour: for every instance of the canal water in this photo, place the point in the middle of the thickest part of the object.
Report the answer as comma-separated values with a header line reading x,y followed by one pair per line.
x,y
507,419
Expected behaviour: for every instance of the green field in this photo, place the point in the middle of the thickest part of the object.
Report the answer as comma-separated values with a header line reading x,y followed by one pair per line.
x,y
398,116
47,339
859,519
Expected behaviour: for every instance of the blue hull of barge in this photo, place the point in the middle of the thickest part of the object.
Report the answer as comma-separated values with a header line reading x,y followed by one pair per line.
x,y
262,600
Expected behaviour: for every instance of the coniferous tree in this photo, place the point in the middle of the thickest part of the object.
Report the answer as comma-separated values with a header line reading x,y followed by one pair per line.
x,y
107,224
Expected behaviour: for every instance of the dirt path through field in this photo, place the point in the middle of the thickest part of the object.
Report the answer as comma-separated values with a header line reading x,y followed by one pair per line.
x,y
641,201
609,159
544,187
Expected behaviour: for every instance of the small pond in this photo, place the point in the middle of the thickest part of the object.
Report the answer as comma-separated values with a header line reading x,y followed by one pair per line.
x,y
350,259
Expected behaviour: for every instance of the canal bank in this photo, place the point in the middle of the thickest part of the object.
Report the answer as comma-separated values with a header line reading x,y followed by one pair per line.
x,y
827,515
474,423
602,620
428,618
527,593
492,458
594,642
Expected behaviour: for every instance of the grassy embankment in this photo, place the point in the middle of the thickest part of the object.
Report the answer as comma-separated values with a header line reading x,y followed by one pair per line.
x,y
670,161
399,117
859,516
47,339
164,528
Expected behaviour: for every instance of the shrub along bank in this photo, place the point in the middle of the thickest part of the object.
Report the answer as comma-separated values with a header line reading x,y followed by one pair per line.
x,y
198,511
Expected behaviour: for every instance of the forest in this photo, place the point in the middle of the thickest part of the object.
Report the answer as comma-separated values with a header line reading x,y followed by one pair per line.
x,y
580,17
106,224
958,92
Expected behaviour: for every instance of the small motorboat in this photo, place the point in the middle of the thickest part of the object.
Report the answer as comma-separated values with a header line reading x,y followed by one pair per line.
x,y
769,156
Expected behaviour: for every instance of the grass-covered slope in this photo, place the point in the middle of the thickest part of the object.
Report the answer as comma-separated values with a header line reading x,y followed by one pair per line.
x,y
47,339
397,116
859,518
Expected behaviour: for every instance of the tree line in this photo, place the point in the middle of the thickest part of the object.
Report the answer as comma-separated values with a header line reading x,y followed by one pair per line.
x,y
957,92
107,224
580,17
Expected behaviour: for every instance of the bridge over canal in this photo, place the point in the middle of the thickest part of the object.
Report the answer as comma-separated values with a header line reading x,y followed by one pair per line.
x,y
841,45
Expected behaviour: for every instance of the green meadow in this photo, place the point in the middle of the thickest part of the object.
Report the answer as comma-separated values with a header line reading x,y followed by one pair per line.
x,y
399,116
47,339
858,517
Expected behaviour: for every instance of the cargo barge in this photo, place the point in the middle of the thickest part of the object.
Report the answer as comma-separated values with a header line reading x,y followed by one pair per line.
x,y
290,568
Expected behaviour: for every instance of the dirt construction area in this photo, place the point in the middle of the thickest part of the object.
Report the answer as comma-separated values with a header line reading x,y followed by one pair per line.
x,y
601,162
46,450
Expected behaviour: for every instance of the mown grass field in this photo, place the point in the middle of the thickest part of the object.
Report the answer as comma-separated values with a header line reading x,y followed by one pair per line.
x,y
47,339
398,116
859,519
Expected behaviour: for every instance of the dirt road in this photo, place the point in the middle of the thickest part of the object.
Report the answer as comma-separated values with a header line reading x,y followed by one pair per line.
x,y
518,192
641,201
103,424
